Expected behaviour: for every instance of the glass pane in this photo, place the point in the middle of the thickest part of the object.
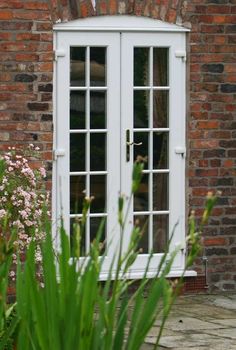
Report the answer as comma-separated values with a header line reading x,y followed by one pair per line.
x,y
98,110
160,150
98,151
160,192
160,109
73,230
141,150
77,66
141,109
141,197
95,225
141,221
77,193
77,152
97,66
141,66
77,110
98,191
160,66
160,233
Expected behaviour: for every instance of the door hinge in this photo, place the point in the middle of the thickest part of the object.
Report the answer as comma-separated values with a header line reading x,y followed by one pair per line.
x,y
60,152
58,53
181,54
180,150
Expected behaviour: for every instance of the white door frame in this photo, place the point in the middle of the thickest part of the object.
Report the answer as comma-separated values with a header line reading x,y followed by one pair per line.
x,y
104,29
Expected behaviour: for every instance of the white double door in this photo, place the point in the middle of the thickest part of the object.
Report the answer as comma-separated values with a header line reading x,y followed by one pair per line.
x,y
119,96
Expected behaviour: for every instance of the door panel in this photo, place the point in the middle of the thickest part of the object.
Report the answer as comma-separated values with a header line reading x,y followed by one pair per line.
x,y
88,125
148,95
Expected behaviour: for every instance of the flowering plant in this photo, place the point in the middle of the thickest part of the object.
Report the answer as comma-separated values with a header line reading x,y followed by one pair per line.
x,y
23,199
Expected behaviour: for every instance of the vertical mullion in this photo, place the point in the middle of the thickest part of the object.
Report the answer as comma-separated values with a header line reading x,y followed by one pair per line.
x,y
87,74
151,151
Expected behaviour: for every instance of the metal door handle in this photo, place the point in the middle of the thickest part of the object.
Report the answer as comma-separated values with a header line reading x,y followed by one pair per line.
x,y
130,143
134,143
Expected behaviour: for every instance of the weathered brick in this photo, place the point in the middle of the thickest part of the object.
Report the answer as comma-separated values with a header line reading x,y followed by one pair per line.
x,y
25,77
216,251
37,106
213,68
228,88
45,87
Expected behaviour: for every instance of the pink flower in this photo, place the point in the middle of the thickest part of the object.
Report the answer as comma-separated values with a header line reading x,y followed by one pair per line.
x,y
42,172
2,213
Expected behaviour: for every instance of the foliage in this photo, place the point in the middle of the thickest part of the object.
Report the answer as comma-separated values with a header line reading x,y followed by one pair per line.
x,y
71,309
23,204
23,200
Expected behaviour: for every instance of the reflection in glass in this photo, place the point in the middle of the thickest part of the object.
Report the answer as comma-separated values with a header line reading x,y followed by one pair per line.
x,y
98,191
141,150
141,109
141,66
160,233
77,152
160,109
73,229
97,224
77,193
160,191
141,196
77,110
97,66
77,66
98,110
160,66
142,222
160,150
98,151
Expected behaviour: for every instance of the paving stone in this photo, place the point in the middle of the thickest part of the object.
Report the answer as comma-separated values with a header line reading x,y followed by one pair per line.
x,y
229,333
225,303
225,322
203,311
189,323
193,341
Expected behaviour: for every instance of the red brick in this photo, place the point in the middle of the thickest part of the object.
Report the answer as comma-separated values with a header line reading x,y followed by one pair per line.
x,y
217,9
27,36
27,57
216,241
228,163
36,5
33,15
5,15
208,124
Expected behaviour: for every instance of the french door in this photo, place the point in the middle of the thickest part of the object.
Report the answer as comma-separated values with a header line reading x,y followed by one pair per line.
x,y
120,95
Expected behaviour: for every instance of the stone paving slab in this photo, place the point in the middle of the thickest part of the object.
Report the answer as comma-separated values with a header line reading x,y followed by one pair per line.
x,y
202,322
190,324
203,311
226,303
229,333
191,341
230,322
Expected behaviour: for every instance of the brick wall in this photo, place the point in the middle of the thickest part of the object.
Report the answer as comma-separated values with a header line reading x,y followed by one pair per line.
x,y
212,131
26,71
26,75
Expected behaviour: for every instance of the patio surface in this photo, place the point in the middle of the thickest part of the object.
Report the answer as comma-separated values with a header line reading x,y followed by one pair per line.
x,y
199,322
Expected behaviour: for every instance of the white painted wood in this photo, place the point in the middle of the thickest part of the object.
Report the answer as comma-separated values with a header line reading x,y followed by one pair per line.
x,y
119,23
120,118
61,203
176,127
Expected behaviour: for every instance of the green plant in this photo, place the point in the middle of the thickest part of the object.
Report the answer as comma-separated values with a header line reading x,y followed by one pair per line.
x,y
23,206
70,309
